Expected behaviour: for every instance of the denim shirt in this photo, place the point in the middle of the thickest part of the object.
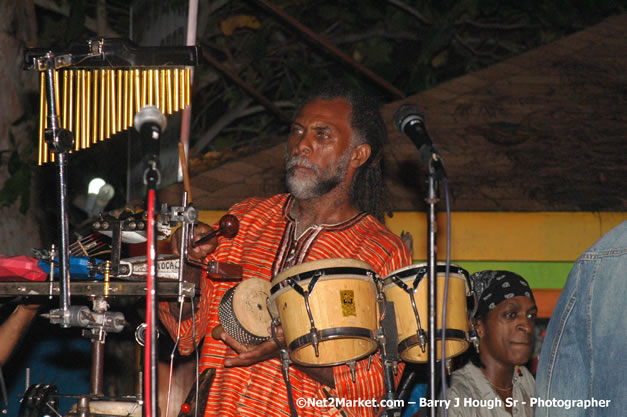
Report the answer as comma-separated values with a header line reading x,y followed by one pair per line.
x,y
583,354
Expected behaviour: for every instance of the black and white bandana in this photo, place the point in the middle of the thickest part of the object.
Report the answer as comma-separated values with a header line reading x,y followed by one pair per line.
x,y
493,287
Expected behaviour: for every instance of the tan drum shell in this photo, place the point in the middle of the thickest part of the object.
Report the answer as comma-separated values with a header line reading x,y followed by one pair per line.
x,y
406,320
328,312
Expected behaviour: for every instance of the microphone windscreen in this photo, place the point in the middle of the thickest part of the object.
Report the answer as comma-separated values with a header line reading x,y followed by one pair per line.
x,y
149,114
406,113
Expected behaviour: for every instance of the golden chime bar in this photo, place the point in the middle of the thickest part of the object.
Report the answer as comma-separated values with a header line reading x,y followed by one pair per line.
x,y
97,104
102,89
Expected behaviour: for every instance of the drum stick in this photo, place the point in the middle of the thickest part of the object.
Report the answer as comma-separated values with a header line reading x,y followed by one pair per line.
x,y
186,183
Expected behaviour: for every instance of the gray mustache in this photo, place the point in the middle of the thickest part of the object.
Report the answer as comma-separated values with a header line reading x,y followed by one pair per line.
x,y
298,161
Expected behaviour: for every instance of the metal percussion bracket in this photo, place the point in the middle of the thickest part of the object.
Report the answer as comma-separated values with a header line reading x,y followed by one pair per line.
x,y
387,336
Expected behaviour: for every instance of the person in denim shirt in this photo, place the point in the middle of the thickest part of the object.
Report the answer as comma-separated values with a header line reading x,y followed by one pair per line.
x,y
583,355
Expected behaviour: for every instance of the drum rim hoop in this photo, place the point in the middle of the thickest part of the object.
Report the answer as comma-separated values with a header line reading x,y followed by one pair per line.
x,y
318,264
456,335
326,274
331,333
409,271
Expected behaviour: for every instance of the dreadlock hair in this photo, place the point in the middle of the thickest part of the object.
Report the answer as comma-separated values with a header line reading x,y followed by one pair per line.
x,y
368,188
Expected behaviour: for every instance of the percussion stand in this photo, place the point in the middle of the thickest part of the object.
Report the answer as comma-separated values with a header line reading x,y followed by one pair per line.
x,y
188,216
285,368
436,172
387,336
61,142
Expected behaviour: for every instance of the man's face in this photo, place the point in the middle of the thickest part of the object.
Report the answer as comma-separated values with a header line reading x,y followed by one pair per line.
x,y
506,333
319,148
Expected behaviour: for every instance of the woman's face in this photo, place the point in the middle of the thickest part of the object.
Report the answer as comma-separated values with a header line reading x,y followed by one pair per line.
x,y
506,333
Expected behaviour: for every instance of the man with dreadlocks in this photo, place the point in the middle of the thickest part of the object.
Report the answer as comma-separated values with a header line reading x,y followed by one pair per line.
x,y
333,210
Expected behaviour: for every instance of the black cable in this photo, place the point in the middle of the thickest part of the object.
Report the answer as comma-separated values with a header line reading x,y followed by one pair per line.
x,y
3,391
445,298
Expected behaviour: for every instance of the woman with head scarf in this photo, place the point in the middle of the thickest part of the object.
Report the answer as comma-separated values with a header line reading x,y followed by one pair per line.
x,y
495,382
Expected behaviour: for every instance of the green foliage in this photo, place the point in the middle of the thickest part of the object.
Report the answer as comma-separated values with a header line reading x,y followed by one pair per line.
x,y
412,44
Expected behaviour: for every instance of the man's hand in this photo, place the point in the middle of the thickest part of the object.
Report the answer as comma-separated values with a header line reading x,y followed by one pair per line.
x,y
192,273
249,354
201,251
12,330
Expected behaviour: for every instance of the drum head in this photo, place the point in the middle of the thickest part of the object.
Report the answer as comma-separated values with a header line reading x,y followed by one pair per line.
x,y
409,273
249,306
321,264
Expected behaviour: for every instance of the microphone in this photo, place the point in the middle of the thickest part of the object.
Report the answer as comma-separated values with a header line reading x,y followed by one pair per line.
x,y
150,122
409,120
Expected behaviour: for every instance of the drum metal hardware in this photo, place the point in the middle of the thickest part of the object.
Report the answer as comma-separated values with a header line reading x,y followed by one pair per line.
x,y
353,371
420,333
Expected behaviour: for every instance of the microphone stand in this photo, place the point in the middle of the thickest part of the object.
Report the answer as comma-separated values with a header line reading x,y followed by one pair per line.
x,y
152,179
436,172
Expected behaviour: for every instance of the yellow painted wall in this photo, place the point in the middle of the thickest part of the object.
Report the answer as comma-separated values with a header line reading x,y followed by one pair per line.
x,y
541,246
494,236
538,236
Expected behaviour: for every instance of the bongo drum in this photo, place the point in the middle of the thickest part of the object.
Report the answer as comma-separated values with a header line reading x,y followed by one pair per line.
x,y
243,312
411,282
328,311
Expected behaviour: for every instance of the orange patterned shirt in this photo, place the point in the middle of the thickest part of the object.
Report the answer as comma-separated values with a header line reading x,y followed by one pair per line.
x,y
265,246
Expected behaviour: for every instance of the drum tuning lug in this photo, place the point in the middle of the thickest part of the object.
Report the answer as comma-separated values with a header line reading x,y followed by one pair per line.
x,y
369,362
448,366
314,340
422,339
351,367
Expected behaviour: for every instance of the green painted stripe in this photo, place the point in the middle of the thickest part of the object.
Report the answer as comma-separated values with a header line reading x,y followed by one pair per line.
x,y
540,275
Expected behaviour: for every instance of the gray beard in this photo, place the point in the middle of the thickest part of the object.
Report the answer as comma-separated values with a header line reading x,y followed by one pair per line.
x,y
318,184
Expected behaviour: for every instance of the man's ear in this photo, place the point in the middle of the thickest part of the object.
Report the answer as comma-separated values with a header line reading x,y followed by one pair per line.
x,y
361,153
